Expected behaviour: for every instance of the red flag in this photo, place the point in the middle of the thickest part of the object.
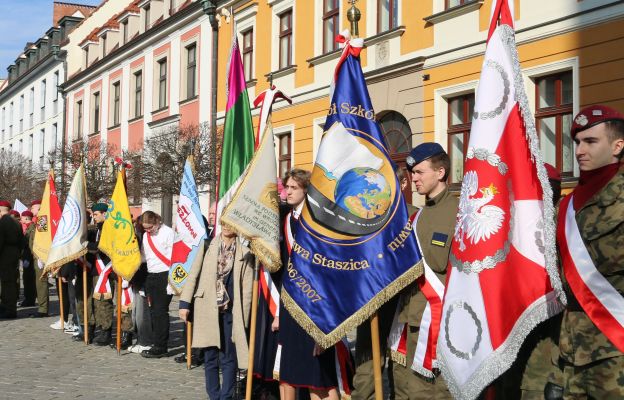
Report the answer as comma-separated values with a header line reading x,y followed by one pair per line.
x,y
503,279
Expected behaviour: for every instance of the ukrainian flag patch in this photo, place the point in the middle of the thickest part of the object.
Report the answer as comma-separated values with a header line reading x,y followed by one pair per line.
x,y
439,239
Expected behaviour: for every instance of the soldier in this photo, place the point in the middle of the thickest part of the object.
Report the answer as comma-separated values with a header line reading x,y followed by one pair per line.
x,y
28,268
434,226
42,287
590,238
11,244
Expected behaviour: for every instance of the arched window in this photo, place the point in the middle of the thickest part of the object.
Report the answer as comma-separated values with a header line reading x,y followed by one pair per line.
x,y
396,131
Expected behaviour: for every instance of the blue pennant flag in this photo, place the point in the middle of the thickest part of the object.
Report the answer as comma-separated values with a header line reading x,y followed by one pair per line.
x,y
354,247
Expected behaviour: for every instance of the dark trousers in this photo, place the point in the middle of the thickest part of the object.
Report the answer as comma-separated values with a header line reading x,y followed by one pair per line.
x,y
158,300
8,289
223,358
28,280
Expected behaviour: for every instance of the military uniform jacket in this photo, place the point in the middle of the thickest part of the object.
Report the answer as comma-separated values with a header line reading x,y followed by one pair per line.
x,y
93,236
435,229
11,244
601,224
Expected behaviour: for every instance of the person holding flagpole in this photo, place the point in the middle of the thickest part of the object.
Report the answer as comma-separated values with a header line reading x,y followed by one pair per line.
x,y
157,246
301,363
434,225
590,238
11,244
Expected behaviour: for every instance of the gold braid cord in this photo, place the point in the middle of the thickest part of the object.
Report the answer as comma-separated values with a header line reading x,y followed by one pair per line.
x,y
56,265
361,315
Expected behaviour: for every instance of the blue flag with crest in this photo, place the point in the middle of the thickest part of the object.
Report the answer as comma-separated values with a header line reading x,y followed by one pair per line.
x,y
354,247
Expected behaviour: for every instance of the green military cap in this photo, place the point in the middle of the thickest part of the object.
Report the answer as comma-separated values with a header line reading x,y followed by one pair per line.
x,y
102,207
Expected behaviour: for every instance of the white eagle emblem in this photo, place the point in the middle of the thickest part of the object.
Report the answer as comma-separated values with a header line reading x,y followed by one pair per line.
x,y
475,219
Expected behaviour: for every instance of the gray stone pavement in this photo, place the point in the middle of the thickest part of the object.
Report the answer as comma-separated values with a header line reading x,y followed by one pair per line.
x,y
39,363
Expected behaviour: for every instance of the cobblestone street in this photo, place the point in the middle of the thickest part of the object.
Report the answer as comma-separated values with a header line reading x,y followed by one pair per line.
x,y
37,362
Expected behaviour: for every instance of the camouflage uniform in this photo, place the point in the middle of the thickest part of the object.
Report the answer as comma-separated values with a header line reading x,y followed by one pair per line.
x,y
43,291
592,366
435,226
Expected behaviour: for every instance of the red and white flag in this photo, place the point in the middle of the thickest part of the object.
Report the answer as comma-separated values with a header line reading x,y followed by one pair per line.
x,y
503,277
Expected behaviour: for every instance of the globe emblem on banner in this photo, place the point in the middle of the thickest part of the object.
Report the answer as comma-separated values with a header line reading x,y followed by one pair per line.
x,y
70,222
364,192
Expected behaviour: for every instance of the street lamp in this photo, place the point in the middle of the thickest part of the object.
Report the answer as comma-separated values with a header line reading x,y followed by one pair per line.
x,y
210,9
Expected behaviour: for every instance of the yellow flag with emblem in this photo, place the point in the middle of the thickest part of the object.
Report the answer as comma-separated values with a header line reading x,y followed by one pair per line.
x,y
118,239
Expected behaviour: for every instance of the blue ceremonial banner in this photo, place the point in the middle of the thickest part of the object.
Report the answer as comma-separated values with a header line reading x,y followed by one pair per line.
x,y
354,248
190,232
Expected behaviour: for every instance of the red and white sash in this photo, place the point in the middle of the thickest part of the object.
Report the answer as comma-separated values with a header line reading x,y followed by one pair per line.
x,y
126,296
344,368
102,287
601,301
269,291
157,252
425,354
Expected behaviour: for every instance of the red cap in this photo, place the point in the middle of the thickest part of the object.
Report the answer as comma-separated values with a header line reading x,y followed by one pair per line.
x,y
553,173
4,203
14,213
27,214
34,202
594,115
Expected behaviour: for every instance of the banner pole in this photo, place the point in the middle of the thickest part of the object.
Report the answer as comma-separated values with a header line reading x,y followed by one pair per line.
x,y
119,290
374,321
189,338
60,293
252,332
85,319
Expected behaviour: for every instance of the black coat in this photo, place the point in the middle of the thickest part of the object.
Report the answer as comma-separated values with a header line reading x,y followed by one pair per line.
x,y
11,244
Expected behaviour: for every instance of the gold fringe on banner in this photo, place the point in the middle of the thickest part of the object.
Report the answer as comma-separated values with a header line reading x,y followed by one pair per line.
x,y
361,315
56,265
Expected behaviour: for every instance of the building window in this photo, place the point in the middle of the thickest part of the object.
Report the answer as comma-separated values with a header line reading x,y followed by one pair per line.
x,y
146,13
162,83
553,115
285,39
248,53
96,112
285,154
103,45
191,70
78,119
460,110
41,148
124,27
11,119
43,99
331,11
116,102
455,3
31,107
30,147
21,113
387,15
56,85
138,93
54,135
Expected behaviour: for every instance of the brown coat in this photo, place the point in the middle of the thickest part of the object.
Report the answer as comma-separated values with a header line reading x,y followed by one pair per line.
x,y
200,289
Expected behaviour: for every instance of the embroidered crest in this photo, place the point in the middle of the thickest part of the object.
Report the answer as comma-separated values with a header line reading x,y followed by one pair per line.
x,y
476,220
581,120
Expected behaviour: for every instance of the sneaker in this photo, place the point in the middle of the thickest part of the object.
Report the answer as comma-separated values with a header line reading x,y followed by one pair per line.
x,y
56,325
138,349
70,328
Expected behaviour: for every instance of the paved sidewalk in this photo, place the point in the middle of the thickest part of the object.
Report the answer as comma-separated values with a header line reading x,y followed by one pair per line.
x,y
39,363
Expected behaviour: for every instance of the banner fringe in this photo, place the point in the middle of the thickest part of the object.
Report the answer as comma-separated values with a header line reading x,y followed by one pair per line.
x,y
56,265
361,315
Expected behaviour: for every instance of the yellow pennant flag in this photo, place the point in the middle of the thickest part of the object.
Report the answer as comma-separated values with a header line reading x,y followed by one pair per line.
x,y
47,221
70,241
118,239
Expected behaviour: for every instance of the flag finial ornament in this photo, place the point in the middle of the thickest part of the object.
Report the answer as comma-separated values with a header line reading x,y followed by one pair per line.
x,y
354,15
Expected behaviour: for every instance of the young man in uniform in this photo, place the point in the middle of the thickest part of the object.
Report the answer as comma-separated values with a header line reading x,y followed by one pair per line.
x,y
590,238
434,226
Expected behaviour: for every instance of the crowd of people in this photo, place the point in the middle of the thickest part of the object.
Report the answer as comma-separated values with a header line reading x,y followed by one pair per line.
x,y
567,356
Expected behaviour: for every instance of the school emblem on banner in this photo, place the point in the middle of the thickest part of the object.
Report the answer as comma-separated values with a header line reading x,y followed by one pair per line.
x,y
354,246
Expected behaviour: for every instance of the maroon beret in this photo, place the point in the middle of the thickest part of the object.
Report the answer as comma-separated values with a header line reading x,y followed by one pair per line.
x,y
27,214
594,115
34,202
4,203
14,213
553,173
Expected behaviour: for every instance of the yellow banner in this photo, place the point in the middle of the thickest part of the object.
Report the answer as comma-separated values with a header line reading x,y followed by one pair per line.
x,y
118,239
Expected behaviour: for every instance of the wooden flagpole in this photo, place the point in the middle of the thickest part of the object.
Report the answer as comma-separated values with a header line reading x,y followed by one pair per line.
x,y
84,304
119,290
189,338
252,332
60,293
374,321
